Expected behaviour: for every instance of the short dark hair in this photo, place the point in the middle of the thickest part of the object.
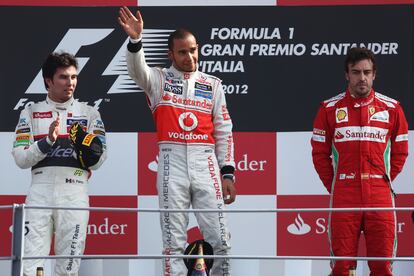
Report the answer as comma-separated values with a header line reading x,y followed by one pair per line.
x,y
357,54
54,61
178,34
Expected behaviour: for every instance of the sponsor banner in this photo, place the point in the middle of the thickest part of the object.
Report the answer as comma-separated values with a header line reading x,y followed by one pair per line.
x,y
300,234
254,61
69,3
340,2
255,157
147,163
6,221
204,3
305,233
112,232
405,226
108,232
255,165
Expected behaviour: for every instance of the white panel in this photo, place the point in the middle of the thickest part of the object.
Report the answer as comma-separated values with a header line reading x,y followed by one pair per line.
x,y
14,181
298,267
118,174
403,184
295,172
206,3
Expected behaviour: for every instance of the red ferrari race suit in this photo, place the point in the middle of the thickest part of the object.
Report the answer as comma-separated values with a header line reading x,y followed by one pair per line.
x,y
195,139
58,179
359,146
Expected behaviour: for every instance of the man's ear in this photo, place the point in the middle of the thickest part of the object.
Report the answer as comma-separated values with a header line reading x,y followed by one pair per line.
x,y
170,55
48,81
346,76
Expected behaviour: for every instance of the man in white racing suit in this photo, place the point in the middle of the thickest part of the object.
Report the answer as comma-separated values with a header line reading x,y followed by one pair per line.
x,y
196,157
60,164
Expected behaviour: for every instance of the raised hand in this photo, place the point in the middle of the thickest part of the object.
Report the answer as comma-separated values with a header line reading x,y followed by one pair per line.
x,y
132,25
54,129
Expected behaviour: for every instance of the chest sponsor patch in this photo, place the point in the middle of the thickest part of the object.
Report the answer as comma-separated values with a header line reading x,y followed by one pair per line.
x,y
203,90
382,116
82,122
341,115
357,133
42,115
173,88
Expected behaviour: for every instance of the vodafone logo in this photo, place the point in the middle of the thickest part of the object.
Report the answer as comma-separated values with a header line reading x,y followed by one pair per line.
x,y
299,227
187,121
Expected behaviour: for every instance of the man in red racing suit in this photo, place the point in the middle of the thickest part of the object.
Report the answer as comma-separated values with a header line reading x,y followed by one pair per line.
x,y
194,128
359,146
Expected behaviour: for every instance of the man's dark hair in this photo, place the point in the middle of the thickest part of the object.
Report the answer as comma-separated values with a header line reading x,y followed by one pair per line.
x,y
178,34
55,61
357,54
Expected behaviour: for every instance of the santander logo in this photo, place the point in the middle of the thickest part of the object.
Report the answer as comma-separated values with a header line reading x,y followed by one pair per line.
x,y
339,135
166,97
299,227
188,121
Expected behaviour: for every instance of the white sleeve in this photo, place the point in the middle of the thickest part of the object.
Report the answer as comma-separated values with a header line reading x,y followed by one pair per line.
x,y
26,152
223,130
146,77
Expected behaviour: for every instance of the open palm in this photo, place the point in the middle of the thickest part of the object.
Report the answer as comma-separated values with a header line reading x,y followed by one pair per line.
x,y
132,25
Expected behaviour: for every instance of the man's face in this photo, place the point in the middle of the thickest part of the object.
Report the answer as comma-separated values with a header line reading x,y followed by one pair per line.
x,y
63,84
360,77
184,54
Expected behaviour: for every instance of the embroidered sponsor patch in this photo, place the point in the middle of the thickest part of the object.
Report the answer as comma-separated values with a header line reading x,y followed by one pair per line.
x,y
22,140
357,133
23,130
82,122
176,89
382,116
318,138
225,113
318,131
99,132
88,139
41,115
402,137
341,115
203,90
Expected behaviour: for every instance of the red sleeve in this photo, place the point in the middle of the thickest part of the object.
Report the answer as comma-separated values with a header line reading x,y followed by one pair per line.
x,y
321,148
399,143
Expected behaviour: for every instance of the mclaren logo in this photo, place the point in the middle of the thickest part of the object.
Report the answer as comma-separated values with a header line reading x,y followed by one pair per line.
x,y
155,42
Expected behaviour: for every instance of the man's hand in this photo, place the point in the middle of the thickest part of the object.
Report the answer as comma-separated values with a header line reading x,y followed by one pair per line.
x,y
132,25
229,191
54,130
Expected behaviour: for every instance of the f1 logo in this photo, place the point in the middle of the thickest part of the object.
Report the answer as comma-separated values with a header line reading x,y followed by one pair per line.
x,y
73,40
